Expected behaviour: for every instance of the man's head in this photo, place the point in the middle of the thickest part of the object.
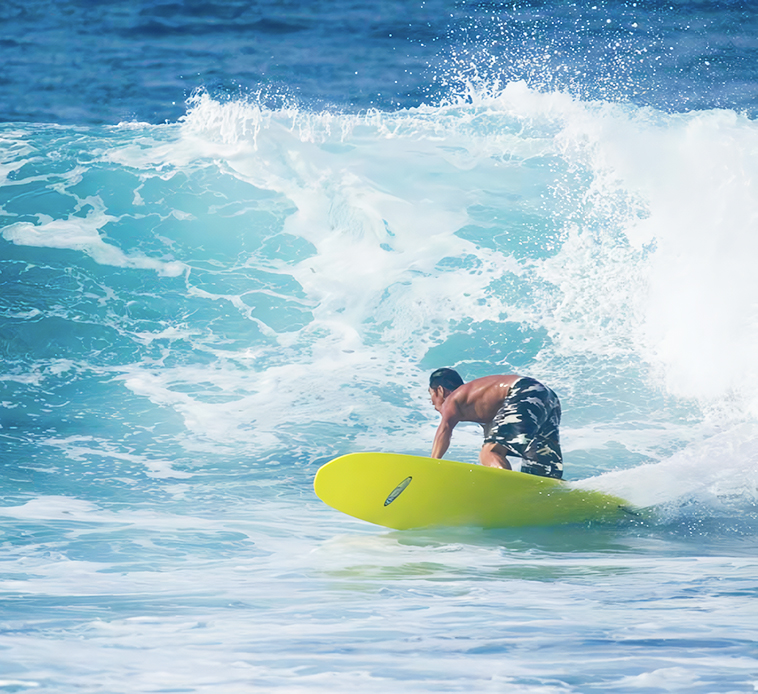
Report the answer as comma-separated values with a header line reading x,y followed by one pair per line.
x,y
447,378
442,382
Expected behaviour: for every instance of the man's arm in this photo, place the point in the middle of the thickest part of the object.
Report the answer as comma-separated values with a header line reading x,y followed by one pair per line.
x,y
442,438
444,433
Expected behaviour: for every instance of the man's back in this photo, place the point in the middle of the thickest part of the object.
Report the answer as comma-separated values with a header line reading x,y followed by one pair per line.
x,y
479,400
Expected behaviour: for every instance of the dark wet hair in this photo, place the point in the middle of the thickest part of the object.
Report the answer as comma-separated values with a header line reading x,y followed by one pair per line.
x,y
447,378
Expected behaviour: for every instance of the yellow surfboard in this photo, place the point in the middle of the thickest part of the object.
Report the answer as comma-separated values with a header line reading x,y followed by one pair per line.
x,y
406,491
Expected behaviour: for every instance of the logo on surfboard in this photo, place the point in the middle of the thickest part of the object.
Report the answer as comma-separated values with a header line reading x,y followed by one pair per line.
x,y
397,491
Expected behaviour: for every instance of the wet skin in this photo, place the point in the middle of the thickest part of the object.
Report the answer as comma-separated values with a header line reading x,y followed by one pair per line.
x,y
477,401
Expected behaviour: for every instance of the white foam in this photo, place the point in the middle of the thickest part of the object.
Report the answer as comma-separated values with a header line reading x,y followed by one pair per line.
x,y
83,234
83,447
685,288
721,471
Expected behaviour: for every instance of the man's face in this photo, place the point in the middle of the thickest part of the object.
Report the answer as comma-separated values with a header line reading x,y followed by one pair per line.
x,y
438,396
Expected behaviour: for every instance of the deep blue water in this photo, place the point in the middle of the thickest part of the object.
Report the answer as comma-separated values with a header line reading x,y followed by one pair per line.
x,y
85,62
235,238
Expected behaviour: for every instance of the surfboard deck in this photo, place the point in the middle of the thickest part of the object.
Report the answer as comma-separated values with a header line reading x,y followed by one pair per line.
x,y
405,491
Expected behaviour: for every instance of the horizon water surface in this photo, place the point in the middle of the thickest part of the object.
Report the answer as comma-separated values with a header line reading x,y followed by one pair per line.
x,y
238,253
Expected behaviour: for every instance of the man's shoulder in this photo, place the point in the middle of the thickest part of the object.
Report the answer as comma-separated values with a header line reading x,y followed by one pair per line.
x,y
490,380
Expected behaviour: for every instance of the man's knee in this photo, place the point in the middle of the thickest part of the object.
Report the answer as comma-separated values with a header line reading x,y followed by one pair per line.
x,y
493,455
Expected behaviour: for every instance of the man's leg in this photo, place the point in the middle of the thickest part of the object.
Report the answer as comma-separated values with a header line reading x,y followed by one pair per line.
x,y
493,455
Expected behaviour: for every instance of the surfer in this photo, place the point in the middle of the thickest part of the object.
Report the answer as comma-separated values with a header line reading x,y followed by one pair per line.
x,y
519,415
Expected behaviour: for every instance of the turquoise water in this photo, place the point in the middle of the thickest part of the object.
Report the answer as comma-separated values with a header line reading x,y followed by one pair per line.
x,y
196,314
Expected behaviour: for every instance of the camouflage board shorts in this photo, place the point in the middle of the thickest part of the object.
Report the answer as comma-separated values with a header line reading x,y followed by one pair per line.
x,y
526,425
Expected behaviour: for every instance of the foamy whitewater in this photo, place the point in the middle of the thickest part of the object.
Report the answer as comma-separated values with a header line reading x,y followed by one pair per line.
x,y
196,315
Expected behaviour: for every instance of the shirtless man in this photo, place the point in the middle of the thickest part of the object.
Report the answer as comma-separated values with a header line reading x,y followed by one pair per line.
x,y
519,415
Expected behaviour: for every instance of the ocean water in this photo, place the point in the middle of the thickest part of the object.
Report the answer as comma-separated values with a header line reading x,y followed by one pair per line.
x,y
236,237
